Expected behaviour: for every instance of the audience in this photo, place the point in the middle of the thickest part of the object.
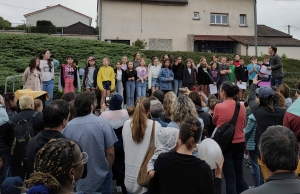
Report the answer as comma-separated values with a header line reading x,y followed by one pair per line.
x,y
68,96
4,151
285,91
168,102
72,111
10,103
38,105
160,95
156,108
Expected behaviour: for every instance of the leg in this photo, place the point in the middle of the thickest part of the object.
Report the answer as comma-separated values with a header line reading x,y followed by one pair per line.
x,y
132,92
128,89
229,174
175,86
103,95
238,159
72,87
143,89
278,82
156,88
250,82
179,84
153,89
255,169
12,185
272,80
138,90
5,167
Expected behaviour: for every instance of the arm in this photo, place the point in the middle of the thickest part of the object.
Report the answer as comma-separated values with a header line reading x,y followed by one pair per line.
x,y
218,77
112,79
252,96
286,121
160,76
183,77
171,75
278,64
249,128
99,80
110,155
157,152
3,115
25,75
55,63
215,117
228,71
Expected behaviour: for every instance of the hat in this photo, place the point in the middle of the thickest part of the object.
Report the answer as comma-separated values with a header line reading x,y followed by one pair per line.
x,y
264,92
90,58
116,102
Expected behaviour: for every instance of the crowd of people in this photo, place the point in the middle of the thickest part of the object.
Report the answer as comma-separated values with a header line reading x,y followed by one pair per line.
x,y
70,146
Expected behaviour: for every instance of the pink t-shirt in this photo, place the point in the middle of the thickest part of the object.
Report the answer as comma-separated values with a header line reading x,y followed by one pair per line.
x,y
223,113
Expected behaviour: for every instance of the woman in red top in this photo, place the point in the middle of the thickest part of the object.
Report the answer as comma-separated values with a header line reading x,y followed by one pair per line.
x,y
234,155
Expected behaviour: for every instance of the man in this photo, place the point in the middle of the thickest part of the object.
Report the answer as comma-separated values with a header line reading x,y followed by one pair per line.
x,y
21,128
96,137
224,70
291,118
55,118
280,154
275,66
156,109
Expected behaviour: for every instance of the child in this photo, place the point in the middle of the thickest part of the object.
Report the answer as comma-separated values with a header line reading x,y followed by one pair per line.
x,y
120,79
142,75
232,68
241,74
224,71
38,105
32,76
166,76
105,79
124,63
90,75
236,60
203,76
215,59
215,74
260,63
69,76
189,77
153,82
253,69
266,60
130,77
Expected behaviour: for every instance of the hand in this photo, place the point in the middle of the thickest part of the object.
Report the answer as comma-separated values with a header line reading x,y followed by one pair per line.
x,y
132,79
151,174
268,68
103,107
255,80
215,83
240,81
218,170
187,91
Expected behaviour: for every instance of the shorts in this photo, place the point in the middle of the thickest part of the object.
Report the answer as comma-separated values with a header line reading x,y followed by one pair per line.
x,y
154,82
106,85
89,86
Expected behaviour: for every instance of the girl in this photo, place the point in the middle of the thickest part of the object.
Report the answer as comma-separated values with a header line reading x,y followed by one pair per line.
x,y
163,58
136,60
215,75
142,75
166,76
106,79
69,76
153,82
120,79
130,77
203,76
90,75
189,75
32,76
124,63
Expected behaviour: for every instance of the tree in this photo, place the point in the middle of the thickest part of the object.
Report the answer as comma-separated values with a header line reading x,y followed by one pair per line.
x,y
142,44
4,23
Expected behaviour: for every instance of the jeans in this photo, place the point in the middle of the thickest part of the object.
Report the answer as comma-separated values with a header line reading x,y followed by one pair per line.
x,y
255,170
140,89
69,85
233,169
276,81
130,88
177,84
106,187
12,185
6,165
48,87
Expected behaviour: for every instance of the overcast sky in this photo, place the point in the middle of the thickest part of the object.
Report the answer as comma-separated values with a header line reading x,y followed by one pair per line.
x,y
274,13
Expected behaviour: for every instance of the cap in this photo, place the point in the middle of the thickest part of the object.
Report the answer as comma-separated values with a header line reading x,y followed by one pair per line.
x,y
90,58
116,102
264,92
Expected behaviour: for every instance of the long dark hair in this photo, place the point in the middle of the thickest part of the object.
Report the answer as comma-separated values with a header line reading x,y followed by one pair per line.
x,y
9,96
49,60
32,64
163,65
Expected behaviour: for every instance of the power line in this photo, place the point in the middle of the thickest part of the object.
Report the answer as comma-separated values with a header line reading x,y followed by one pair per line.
x,y
11,16
16,6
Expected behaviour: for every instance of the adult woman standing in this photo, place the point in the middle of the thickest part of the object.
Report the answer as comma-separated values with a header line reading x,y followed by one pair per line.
x,y
32,76
47,66
168,102
136,137
234,155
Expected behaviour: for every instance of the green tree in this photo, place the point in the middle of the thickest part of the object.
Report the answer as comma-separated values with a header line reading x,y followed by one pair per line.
x,y
142,44
4,23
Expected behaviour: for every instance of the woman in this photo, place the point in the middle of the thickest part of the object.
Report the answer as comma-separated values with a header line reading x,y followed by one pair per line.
x,y
168,102
10,103
58,165
234,155
32,76
172,167
4,151
136,139
285,91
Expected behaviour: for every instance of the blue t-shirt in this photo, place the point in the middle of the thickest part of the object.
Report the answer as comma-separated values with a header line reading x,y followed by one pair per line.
x,y
250,68
94,135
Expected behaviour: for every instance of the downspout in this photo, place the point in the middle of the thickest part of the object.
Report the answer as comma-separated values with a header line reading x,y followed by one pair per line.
x,y
247,50
100,19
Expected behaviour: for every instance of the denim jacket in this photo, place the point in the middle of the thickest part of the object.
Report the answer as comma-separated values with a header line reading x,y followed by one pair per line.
x,y
163,76
250,131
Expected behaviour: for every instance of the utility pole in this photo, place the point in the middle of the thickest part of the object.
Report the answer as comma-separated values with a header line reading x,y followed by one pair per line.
x,y
289,29
255,26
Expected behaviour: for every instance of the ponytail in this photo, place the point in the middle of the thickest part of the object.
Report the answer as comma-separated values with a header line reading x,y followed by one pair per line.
x,y
41,183
190,132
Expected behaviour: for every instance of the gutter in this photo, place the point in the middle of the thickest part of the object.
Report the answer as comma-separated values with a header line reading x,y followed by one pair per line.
x,y
247,50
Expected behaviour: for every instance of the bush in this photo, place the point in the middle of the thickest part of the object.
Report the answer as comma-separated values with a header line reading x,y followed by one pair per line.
x,y
46,27
142,44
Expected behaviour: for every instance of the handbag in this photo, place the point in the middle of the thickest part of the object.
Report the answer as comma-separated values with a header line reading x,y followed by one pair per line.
x,y
143,179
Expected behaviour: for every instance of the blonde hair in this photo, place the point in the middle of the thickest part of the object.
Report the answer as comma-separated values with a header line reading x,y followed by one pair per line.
x,y
139,119
26,102
37,104
183,109
169,100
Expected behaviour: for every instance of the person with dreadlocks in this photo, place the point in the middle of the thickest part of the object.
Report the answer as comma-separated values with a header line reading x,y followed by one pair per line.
x,y
58,165
179,171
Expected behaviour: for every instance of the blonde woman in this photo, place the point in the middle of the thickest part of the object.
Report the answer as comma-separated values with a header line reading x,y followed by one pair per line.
x,y
168,102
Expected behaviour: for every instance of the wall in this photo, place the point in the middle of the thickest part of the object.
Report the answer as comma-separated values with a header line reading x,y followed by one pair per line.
x,y
59,17
132,20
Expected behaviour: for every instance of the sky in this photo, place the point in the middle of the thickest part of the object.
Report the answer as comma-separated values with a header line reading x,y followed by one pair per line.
x,y
277,14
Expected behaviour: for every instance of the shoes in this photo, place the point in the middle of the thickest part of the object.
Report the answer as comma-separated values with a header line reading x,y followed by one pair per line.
x,y
248,165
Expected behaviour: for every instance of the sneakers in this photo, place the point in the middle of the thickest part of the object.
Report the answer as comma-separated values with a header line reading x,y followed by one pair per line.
x,y
248,165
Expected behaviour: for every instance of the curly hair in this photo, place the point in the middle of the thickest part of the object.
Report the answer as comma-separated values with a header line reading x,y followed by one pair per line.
x,y
168,102
190,132
183,108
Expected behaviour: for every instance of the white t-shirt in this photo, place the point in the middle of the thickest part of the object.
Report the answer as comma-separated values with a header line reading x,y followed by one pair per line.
x,y
119,75
190,70
154,71
46,74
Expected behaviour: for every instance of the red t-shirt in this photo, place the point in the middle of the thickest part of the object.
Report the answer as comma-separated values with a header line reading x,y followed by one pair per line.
x,y
236,63
223,113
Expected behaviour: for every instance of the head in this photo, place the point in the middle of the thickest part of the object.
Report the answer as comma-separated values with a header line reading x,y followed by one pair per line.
x,y
266,97
152,98
168,102
10,101
279,149
166,64
130,110
230,61
2,100
85,103
156,108
203,61
237,57
69,60
34,64
212,103
272,50
38,105
178,59
260,63
116,102
91,61
139,119
118,65
214,65
105,61
57,165
266,58
215,58
171,57
188,63
195,97
183,108
279,100
75,62
160,95
26,102
137,56
68,96
253,59
190,133
228,90
142,62
124,59
130,66
223,60
163,58
155,61
242,62
56,115
45,55
284,90
72,111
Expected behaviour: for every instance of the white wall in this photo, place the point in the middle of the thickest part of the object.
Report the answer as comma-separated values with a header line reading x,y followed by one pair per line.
x,y
59,17
132,20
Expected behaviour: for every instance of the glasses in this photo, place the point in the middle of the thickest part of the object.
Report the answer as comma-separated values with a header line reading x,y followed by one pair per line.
x,y
85,159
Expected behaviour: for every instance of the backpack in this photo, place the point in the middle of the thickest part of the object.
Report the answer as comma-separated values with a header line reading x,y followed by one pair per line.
x,y
224,134
23,133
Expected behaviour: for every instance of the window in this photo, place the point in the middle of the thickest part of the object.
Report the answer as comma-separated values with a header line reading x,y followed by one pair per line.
x,y
219,19
242,20
196,16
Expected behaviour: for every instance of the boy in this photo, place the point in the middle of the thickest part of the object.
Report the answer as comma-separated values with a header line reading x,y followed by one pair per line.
x,y
224,71
241,74
237,60
232,68
253,69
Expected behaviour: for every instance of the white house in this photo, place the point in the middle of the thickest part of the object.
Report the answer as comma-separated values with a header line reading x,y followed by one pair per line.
x,y
59,15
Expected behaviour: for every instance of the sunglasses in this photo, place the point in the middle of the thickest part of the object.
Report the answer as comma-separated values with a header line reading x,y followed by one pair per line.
x,y
85,159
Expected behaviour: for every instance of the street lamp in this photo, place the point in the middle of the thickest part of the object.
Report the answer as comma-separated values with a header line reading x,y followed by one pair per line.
x,y
255,26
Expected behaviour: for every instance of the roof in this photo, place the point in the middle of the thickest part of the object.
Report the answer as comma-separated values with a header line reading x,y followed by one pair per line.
x,y
79,23
55,6
157,1
212,38
266,41
266,31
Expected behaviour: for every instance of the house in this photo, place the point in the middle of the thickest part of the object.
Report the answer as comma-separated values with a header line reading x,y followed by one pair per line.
x,y
79,28
59,15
